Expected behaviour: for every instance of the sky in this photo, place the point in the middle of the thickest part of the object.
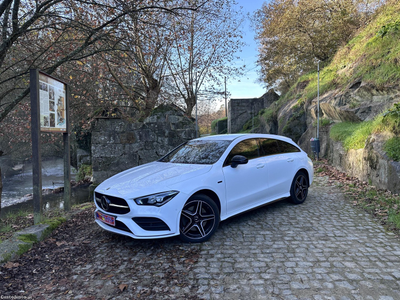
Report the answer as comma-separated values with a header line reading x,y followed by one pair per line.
x,y
248,87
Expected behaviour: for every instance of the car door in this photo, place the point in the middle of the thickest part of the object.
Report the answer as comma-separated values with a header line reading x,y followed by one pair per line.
x,y
245,184
280,163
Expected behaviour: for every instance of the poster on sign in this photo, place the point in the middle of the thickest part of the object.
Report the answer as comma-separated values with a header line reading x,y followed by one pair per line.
x,y
52,97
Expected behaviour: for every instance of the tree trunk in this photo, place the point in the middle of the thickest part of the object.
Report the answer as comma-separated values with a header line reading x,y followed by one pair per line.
x,y
152,92
190,104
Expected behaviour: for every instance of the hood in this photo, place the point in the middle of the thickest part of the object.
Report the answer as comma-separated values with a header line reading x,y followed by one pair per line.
x,y
150,178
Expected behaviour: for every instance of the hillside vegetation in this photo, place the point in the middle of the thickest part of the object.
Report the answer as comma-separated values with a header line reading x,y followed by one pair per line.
x,y
372,56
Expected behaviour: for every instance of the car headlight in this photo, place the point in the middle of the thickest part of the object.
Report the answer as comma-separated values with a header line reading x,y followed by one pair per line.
x,y
158,199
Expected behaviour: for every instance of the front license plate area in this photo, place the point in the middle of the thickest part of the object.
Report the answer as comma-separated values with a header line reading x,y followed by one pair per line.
x,y
110,220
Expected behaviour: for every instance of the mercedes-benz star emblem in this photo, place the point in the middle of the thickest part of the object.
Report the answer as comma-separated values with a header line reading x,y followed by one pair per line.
x,y
105,203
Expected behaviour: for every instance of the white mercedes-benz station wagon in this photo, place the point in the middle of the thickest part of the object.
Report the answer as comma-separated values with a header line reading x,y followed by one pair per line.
x,y
200,183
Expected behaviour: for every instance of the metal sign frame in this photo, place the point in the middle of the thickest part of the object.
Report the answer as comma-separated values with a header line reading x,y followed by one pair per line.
x,y
52,94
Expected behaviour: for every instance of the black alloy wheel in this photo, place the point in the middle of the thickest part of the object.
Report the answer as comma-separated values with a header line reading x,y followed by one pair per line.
x,y
299,189
199,219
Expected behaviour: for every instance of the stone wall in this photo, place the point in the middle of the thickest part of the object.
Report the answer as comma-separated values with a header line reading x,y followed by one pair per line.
x,y
118,144
220,126
242,110
369,164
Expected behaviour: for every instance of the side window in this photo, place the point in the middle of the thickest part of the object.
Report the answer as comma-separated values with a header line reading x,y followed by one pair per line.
x,y
287,148
268,147
247,148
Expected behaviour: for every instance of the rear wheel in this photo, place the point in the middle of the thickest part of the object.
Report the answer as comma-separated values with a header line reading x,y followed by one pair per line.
x,y
199,219
299,188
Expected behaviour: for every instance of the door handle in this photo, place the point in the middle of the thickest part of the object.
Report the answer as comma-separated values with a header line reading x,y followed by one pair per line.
x,y
259,166
290,160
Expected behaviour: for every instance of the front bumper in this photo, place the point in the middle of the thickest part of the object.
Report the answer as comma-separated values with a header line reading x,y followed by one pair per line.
x,y
146,222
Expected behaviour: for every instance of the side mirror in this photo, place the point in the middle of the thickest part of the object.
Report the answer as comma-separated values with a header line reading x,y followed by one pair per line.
x,y
238,160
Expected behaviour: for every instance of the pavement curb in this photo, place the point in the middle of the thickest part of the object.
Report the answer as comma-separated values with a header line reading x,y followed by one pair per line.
x,y
12,247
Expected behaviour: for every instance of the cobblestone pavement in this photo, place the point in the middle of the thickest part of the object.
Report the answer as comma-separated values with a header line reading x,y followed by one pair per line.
x,y
322,249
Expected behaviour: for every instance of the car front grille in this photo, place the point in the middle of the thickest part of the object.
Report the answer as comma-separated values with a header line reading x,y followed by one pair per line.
x,y
115,205
150,224
119,225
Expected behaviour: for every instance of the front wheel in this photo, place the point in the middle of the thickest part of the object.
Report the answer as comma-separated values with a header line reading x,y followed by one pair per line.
x,y
299,188
199,219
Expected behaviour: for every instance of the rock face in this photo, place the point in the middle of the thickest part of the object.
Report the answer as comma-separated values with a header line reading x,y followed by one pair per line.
x,y
118,145
369,164
358,103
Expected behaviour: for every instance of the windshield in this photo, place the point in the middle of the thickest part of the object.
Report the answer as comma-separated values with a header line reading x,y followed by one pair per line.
x,y
197,152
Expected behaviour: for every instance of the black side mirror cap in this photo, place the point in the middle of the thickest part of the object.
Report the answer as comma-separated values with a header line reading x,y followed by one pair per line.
x,y
238,160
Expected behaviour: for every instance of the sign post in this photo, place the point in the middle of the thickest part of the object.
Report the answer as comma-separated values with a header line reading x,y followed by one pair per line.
x,y
49,113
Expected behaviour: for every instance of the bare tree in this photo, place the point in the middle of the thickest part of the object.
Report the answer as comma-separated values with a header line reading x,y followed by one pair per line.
x,y
204,43
48,34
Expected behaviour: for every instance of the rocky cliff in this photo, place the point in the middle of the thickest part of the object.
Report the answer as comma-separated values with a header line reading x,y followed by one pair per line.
x,y
359,102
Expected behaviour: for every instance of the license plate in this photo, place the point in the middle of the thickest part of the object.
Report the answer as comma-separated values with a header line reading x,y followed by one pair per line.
x,y
110,220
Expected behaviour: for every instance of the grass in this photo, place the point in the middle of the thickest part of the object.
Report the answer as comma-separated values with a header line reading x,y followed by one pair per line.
x,y
354,135
17,221
83,172
382,204
323,122
372,56
392,148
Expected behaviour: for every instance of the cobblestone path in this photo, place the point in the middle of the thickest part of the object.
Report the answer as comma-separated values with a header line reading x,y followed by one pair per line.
x,y
322,249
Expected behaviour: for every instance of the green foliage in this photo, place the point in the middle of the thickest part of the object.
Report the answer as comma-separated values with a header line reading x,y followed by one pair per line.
x,y
372,56
352,135
394,217
251,124
312,30
269,114
23,248
323,122
5,228
84,171
12,216
28,238
215,122
53,224
393,28
392,148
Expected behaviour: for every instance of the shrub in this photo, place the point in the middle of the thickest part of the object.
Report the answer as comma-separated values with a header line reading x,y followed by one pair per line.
x,y
392,148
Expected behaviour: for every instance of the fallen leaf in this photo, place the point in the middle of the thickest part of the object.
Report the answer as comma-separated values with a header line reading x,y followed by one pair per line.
x,y
10,265
122,287
107,276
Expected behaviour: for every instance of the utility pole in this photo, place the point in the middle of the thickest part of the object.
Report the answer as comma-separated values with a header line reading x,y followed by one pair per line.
x,y
195,97
226,104
318,105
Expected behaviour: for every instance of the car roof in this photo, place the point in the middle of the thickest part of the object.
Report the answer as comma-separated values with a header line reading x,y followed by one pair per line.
x,y
231,137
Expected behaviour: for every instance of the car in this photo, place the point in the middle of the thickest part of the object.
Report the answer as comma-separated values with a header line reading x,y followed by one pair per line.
x,y
202,182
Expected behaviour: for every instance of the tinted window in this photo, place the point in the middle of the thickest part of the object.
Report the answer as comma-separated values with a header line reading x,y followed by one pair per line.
x,y
247,148
197,152
268,147
286,147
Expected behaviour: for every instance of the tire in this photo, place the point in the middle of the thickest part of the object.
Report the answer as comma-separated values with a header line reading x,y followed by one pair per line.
x,y
199,219
299,188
